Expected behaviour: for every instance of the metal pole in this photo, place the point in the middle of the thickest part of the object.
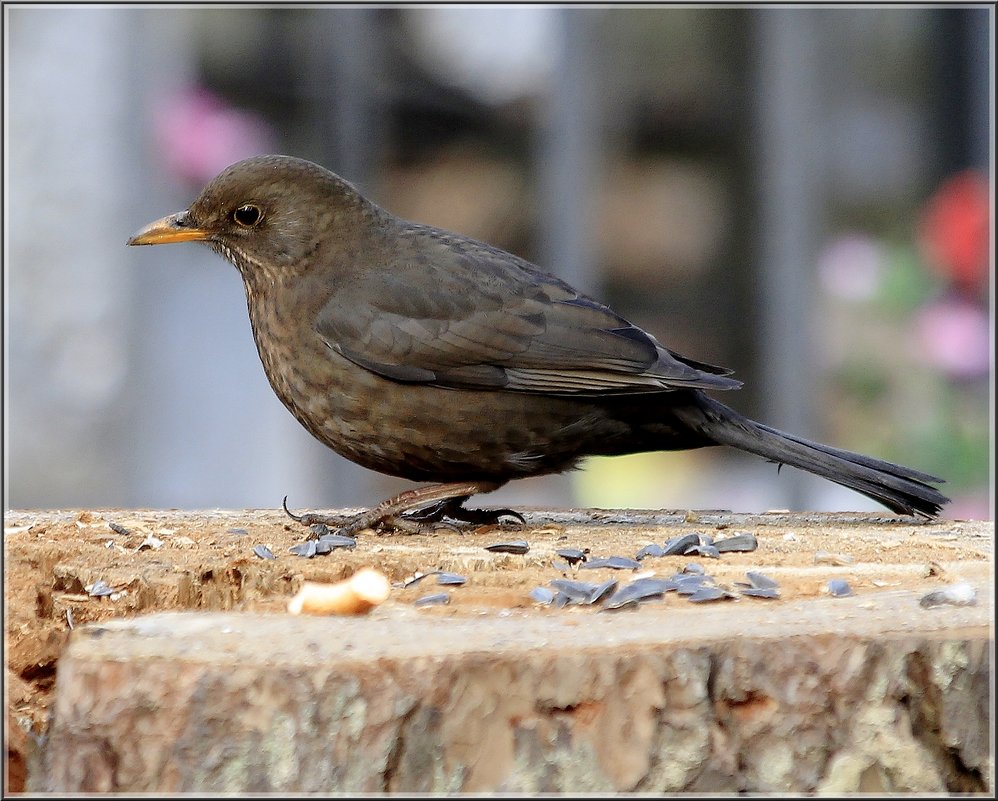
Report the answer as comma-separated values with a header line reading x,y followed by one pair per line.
x,y
789,179
570,153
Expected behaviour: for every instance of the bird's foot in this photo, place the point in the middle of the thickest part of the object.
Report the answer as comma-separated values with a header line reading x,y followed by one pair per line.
x,y
321,524
312,519
453,509
413,512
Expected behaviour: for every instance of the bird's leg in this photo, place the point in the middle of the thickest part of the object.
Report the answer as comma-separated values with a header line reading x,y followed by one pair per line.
x,y
446,500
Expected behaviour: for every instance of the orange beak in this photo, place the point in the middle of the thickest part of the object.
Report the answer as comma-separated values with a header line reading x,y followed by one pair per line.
x,y
174,228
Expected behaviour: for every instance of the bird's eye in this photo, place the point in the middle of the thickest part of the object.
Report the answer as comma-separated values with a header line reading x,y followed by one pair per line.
x,y
248,215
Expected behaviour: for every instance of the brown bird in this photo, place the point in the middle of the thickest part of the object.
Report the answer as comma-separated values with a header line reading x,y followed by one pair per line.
x,y
428,355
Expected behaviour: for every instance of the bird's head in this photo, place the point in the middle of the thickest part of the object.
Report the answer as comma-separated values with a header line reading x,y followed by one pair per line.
x,y
267,215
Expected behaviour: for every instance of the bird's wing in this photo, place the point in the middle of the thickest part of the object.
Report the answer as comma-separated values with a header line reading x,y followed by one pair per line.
x,y
453,312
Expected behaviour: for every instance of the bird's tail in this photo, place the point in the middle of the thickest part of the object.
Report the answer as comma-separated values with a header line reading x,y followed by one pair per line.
x,y
899,488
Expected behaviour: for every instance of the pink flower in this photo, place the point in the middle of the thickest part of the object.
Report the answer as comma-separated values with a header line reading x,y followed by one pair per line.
x,y
954,336
199,134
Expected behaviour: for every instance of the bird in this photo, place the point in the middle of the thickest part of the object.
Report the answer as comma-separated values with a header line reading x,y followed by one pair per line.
x,y
431,356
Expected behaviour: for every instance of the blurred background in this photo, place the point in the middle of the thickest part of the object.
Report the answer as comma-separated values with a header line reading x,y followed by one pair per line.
x,y
801,194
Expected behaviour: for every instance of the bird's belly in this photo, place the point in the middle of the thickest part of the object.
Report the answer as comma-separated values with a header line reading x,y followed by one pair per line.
x,y
427,433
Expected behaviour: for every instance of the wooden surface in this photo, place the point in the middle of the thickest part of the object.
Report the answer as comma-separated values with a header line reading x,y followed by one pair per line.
x,y
494,692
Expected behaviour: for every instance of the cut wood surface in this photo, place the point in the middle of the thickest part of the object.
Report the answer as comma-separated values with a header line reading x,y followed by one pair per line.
x,y
494,691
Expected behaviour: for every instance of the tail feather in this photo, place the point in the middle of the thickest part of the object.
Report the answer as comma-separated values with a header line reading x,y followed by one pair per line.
x,y
899,488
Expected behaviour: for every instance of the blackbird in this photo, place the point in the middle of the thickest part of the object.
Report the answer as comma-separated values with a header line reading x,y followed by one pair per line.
x,y
428,355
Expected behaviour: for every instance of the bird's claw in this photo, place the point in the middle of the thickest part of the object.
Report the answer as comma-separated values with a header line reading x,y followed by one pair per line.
x,y
311,518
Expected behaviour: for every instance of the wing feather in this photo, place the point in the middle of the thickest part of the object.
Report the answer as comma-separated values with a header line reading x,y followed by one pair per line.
x,y
454,312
